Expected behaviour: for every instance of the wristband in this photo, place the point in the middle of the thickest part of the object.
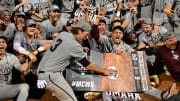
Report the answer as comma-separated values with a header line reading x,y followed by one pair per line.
x,y
147,46
27,52
40,49
118,13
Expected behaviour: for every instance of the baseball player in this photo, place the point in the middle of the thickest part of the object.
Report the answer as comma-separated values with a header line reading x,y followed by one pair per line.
x,y
7,63
51,24
67,7
159,17
145,9
25,44
126,10
65,48
110,7
172,9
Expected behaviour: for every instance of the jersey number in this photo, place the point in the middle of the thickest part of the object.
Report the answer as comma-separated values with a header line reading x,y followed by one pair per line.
x,y
53,47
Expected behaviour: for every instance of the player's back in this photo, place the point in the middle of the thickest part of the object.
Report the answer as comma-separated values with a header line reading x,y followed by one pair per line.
x,y
58,55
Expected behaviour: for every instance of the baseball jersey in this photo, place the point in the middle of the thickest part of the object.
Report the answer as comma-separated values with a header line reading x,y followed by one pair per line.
x,y
47,28
159,17
6,65
63,49
66,6
9,32
10,4
175,6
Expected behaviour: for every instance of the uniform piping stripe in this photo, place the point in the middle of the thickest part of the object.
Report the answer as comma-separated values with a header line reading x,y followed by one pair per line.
x,y
60,88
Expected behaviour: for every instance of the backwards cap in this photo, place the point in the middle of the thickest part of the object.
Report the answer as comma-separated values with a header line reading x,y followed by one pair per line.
x,y
83,24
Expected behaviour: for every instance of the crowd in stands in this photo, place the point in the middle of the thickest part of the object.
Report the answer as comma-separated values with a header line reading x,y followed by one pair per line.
x,y
28,27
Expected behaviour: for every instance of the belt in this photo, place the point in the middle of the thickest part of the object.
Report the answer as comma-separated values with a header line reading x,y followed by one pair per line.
x,y
49,72
158,10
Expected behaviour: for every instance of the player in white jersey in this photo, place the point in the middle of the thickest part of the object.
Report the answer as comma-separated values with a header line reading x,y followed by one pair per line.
x,y
65,48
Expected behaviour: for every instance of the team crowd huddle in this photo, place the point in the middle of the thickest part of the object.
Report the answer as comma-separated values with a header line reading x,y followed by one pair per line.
x,y
40,38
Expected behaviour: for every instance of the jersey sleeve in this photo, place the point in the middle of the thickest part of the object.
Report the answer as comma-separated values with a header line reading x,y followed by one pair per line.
x,y
14,61
43,30
17,43
77,52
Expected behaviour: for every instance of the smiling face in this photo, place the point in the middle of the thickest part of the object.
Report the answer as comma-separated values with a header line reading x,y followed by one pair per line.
x,y
147,29
54,15
102,27
117,36
3,45
30,30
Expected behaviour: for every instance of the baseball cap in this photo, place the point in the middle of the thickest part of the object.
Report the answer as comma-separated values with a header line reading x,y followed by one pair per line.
x,y
129,31
83,24
20,13
69,23
54,8
167,35
3,37
30,22
147,21
118,27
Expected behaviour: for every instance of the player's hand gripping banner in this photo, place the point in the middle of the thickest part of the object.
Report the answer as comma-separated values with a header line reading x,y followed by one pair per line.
x,y
132,73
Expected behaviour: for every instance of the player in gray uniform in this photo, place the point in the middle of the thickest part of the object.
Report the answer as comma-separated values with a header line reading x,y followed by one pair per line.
x,y
19,18
127,9
26,44
7,63
145,9
52,24
150,36
159,17
172,9
113,43
110,7
65,48
66,7
10,4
